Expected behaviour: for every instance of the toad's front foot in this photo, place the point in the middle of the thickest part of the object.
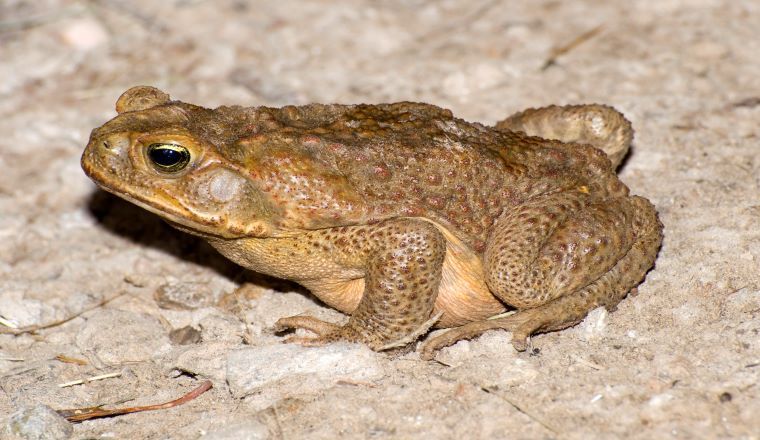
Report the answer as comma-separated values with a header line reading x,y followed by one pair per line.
x,y
325,331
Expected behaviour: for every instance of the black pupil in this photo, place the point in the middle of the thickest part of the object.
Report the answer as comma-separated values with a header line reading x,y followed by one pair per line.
x,y
166,156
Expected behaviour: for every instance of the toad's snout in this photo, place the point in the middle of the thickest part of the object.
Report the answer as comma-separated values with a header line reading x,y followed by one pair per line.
x,y
106,154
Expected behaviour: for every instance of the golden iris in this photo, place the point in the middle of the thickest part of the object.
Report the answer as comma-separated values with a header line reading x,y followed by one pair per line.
x,y
168,157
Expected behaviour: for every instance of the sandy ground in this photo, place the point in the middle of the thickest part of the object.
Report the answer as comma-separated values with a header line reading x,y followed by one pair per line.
x,y
681,359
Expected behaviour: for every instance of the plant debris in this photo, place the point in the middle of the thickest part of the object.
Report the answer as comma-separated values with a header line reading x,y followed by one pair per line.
x,y
94,412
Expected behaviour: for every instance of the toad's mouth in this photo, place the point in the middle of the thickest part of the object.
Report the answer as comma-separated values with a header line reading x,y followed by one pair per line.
x,y
161,203
177,215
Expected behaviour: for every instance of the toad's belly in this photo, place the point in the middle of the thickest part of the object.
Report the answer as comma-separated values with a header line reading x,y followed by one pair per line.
x,y
462,294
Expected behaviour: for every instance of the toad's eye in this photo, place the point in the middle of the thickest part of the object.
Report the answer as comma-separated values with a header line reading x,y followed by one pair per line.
x,y
168,157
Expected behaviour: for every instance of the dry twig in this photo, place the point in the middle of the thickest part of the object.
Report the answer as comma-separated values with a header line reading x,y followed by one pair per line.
x,y
519,408
89,379
565,48
82,414
7,323
70,360
36,328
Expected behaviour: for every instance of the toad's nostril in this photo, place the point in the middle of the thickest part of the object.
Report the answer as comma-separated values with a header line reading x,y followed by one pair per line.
x,y
114,144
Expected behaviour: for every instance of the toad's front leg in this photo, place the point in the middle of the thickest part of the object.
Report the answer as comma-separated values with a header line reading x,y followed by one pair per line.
x,y
402,261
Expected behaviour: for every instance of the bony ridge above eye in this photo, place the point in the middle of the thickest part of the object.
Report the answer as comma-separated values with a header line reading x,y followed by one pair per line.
x,y
168,157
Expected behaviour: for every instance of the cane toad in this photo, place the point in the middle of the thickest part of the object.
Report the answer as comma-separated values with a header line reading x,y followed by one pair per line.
x,y
400,215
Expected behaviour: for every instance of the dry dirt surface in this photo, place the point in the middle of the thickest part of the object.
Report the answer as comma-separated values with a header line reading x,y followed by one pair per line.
x,y
679,359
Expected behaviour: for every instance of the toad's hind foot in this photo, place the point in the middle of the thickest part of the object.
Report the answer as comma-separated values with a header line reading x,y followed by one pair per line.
x,y
522,324
558,314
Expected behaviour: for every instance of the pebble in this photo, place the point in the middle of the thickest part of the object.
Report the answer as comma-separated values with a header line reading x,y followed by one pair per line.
x,y
37,423
84,34
206,360
224,328
183,295
19,310
594,325
300,370
112,337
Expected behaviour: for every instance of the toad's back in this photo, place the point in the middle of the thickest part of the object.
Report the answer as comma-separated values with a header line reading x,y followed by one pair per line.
x,y
366,163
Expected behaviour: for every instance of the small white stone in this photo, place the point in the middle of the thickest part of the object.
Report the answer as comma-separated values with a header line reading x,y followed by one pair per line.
x,y
594,325
299,369
660,400
207,360
37,423
84,34
19,310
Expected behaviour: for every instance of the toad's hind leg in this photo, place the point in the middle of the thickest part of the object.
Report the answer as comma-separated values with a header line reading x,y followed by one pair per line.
x,y
574,259
600,126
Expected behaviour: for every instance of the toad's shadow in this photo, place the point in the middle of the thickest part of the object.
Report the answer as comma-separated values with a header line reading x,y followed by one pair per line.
x,y
147,229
